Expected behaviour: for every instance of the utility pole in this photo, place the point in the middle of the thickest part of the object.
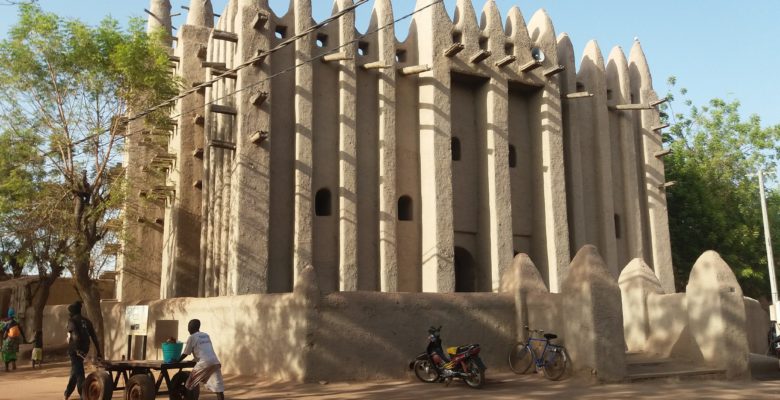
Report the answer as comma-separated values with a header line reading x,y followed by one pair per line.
x,y
768,240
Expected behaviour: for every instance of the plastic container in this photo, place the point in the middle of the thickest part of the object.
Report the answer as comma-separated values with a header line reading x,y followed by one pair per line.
x,y
172,351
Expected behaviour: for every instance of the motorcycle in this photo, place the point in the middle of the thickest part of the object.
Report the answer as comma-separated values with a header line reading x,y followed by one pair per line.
x,y
464,362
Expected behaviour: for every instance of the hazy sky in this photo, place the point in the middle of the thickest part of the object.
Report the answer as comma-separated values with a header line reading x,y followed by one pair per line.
x,y
717,48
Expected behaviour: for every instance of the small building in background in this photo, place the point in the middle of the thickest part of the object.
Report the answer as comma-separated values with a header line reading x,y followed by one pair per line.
x,y
20,293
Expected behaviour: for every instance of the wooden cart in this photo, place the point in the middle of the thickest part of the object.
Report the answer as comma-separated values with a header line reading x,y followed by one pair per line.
x,y
140,380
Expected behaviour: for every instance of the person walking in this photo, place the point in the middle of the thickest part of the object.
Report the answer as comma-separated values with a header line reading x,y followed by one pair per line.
x,y
80,331
207,367
13,335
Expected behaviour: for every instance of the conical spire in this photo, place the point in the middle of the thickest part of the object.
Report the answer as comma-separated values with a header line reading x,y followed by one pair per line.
x,y
566,58
491,17
466,16
617,74
541,27
640,71
593,52
565,51
618,56
201,13
160,19
515,25
383,9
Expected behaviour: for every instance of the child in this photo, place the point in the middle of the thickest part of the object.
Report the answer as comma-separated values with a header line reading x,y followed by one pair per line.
x,y
37,353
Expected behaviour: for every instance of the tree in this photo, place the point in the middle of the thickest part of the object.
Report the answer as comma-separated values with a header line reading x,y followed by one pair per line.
x,y
20,169
715,204
71,85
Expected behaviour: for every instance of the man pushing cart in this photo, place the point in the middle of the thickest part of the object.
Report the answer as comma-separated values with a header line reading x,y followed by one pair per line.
x,y
138,376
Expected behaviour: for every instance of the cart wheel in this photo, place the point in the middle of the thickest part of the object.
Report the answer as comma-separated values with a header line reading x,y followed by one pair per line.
x,y
98,386
140,387
178,391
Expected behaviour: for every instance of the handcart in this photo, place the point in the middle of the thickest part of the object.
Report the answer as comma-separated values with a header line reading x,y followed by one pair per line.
x,y
140,380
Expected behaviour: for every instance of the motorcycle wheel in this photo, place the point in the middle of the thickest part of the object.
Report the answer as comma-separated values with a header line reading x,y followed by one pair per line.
x,y
426,371
555,366
476,375
520,358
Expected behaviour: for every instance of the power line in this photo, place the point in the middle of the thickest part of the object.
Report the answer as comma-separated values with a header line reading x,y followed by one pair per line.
x,y
252,60
249,62
224,74
287,70
310,60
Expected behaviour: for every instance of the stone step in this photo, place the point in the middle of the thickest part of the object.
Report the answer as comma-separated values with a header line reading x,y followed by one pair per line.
x,y
646,362
641,367
678,375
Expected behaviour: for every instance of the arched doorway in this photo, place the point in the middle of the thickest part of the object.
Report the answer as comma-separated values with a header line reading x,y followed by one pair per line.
x,y
465,271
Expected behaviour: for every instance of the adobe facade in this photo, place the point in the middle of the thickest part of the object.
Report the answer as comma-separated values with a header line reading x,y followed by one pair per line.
x,y
416,166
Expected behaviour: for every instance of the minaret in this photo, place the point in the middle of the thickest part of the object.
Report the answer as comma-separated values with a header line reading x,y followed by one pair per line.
x,y
140,264
438,236
160,18
181,262
201,13
651,143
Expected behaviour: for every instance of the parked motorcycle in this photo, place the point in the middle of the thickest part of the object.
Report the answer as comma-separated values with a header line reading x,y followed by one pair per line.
x,y
461,362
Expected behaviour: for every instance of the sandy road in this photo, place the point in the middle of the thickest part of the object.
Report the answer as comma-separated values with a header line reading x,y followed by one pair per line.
x,y
49,383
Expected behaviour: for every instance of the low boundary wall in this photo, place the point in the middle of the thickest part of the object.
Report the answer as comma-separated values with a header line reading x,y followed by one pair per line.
x,y
304,336
307,336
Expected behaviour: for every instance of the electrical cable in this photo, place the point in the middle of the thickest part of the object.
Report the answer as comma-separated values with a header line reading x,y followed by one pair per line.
x,y
250,62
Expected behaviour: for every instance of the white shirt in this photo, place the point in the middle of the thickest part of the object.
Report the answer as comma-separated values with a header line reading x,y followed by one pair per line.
x,y
199,345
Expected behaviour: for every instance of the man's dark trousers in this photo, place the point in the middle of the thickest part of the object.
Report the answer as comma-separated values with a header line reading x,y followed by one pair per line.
x,y
76,374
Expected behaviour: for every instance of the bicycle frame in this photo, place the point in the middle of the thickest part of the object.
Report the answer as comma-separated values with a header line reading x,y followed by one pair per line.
x,y
549,348
550,358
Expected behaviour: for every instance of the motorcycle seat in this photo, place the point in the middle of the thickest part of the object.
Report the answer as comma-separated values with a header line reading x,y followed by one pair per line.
x,y
467,347
460,349
550,336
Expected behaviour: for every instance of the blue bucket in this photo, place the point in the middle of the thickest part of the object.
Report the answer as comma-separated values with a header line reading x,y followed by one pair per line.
x,y
172,351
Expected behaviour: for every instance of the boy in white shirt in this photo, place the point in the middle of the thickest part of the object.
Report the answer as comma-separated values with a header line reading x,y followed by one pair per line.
x,y
207,367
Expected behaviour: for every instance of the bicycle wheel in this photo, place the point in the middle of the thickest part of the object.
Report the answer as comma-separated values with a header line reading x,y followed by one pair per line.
x,y
521,357
555,363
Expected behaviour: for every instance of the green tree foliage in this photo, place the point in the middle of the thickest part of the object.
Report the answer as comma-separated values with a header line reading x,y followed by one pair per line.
x,y
715,205
33,218
20,173
68,87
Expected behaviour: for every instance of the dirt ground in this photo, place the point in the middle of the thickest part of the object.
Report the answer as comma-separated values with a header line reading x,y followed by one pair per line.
x,y
49,383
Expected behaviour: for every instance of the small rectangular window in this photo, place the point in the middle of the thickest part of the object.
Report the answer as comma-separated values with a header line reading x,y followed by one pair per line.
x,y
483,43
457,37
280,32
509,49
362,48
400,56
322,40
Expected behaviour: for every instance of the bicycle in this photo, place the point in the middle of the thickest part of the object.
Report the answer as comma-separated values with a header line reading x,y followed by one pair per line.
x,y
773,350
552,360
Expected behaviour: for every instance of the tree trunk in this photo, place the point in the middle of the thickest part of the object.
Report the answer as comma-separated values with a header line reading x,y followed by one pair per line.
x,y
42,297
86,217
39,302
90,295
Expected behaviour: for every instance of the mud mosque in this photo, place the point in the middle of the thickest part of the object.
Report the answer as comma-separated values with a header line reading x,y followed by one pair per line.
x,y
421,166
318,183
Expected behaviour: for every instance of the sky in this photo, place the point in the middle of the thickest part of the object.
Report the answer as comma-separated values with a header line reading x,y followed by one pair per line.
x,y
716,49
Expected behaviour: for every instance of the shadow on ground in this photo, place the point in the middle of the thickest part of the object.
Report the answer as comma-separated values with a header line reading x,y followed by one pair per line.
x,y
49,382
